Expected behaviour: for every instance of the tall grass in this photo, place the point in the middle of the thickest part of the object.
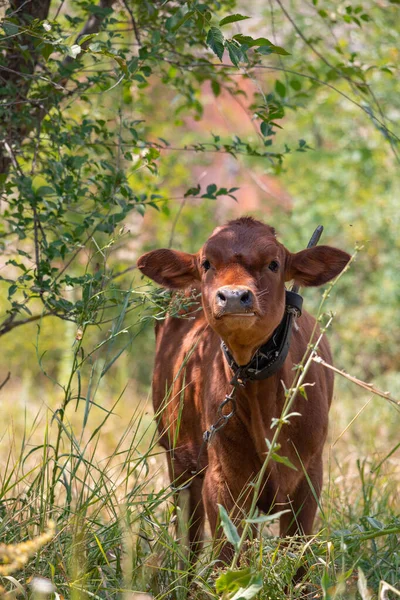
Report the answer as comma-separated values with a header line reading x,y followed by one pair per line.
x,y
113,508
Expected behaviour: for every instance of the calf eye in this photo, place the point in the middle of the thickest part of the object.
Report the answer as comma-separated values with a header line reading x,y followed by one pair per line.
x,y
273,266
206,265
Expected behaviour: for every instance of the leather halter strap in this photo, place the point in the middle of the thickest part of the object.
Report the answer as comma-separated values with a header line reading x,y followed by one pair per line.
x,y
270,357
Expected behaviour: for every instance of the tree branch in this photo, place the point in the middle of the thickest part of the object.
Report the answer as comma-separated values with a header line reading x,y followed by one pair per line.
x,y
134,24
10,324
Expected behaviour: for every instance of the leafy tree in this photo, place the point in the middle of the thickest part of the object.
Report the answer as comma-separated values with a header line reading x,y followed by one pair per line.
x,y
64,176
87,101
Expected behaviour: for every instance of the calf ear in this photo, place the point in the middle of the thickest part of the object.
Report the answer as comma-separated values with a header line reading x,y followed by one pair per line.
x,y
316,266
170,268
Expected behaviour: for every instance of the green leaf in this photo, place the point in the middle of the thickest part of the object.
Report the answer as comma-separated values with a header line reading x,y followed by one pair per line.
x,y
193,191
235,53
375,524
264,45
10,28
86,38
280,88
264,127
325,584
251,590
229,528
215,40
95,47
295,84
245,582
245,40
231,581
272,50
232,19
267,518
133,64
261,41
283,460
12,289
45,190
276,457
302,389
46,50
211,189
183,20
216,88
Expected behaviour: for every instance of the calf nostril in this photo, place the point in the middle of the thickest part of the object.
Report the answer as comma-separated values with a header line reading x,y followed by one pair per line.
x,y
246,299
221,296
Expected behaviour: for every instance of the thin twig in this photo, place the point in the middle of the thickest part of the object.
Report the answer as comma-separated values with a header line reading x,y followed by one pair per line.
x,y
58,10
12,157
120,273
5,381
339,72
366,386
10,324
17,10
174,224
134,24
310,45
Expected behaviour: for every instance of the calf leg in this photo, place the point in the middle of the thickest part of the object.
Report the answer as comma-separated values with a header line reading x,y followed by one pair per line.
x,y
236,502
303,505
300,519
194,508
196,518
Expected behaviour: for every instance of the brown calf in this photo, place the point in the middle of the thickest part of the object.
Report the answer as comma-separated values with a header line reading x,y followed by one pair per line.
x,y
241,270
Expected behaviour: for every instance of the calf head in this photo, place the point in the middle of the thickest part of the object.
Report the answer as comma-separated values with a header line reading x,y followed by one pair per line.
x,y
242,270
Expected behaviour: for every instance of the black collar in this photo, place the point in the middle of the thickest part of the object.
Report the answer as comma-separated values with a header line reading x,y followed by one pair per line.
x,y
270,357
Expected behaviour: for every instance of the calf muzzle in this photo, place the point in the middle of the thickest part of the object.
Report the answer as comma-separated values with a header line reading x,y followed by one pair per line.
x,y
234,300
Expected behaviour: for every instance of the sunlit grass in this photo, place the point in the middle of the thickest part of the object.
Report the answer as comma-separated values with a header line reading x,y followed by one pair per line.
x,y
115,523
113,508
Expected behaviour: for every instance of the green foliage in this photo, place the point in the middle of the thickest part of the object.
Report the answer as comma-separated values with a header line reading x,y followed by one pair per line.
x,y
229,528
70,178
239,585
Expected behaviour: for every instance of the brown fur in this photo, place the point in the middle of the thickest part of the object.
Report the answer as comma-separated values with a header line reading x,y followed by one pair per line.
x,y
191,378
